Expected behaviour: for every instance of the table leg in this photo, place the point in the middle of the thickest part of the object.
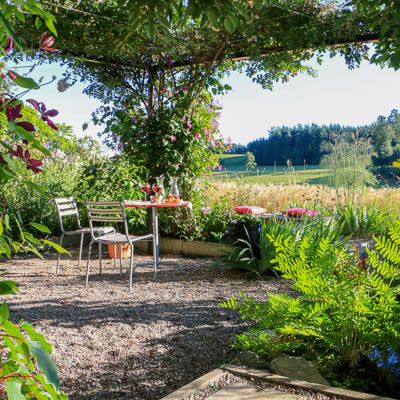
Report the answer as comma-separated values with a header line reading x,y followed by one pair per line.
x,y
156,237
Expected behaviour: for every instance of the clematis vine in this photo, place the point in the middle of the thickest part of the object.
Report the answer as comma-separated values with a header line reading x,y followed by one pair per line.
x,y
46,42
44,114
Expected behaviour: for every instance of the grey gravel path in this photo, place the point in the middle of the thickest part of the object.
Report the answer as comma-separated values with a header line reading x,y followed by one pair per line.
x,y
112,344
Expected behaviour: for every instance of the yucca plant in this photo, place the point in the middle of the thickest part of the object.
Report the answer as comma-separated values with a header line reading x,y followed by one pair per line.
x,y
359,220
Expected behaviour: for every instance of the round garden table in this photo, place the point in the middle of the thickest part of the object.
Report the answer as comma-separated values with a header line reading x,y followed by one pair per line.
x,y
154,208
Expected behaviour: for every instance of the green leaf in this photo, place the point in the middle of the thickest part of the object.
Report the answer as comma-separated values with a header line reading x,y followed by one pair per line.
x,y
32,239
27,83
38,22
40,227
34,186
8,287
14,390
45,363
212,16
56,247
229,25
258,3
1,228
33,335
4,312
29,136
242,9
10,30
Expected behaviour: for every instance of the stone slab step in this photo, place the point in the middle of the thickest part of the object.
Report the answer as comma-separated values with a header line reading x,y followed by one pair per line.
x,y
240,391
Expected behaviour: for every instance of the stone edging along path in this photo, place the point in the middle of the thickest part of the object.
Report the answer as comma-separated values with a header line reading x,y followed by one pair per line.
x,y
213,376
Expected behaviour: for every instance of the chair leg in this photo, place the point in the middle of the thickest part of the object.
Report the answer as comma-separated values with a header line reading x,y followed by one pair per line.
x,y
88,264
120,261
115,255
155,259
59,254
100,254
80,249
131,268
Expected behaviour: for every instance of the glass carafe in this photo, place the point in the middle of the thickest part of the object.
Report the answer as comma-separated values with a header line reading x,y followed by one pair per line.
x,y
174,190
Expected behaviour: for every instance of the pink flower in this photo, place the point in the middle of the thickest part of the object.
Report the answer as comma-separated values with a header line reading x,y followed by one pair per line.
x,y
205,210
168,60
46,42
220,167
173,138
44,114
12,76
189,123
9,46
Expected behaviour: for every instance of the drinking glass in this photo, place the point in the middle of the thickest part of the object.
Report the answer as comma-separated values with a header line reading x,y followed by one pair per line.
x,y
146,189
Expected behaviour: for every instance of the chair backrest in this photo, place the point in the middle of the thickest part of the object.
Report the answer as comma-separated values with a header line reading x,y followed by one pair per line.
x,y
106,211
65,207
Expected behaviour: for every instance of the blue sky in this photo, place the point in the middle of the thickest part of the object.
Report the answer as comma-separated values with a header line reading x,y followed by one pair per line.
x,y
337,95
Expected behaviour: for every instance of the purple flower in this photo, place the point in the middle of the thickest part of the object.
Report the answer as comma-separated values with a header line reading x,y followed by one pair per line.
x,y
45,114
220,167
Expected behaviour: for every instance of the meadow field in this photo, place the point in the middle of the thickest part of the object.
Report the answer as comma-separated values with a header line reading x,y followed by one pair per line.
x,y
233,170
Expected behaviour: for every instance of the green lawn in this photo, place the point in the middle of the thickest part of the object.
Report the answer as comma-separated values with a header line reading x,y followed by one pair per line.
x,y
233,170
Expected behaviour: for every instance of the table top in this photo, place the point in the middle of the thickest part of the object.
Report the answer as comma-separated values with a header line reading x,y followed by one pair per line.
x,y
141,203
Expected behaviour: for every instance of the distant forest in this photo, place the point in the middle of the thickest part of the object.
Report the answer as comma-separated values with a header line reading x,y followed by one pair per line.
x,y
308,144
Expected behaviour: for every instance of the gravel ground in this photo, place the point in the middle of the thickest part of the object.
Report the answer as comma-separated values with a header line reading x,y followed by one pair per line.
x,y
110,343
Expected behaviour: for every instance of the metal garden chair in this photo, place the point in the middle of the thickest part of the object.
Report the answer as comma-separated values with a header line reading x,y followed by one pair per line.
x,y
101,211
68,207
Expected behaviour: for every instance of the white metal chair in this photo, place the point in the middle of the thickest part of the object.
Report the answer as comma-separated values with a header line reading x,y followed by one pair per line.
x,y
101,211
68,207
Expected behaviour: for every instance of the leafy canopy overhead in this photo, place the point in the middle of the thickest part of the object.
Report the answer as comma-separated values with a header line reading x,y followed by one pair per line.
x,y
140,34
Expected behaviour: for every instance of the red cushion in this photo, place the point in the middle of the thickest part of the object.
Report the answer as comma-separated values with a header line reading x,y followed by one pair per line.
x,y
250,210
300,212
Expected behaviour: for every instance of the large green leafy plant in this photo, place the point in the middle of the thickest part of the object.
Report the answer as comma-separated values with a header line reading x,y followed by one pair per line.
x,y
24,351
346,308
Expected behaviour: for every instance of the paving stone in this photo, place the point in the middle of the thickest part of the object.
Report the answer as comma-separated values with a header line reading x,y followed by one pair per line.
x,y
240,391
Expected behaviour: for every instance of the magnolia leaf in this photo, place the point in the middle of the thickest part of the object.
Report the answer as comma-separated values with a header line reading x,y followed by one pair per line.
x,y
45,363
27,83
40,227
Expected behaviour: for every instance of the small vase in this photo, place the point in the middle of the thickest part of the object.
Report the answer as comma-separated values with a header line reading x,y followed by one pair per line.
x,y
174,190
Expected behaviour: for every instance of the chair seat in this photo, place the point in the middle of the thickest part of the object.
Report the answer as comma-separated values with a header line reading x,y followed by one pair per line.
x,y
115,237
100,231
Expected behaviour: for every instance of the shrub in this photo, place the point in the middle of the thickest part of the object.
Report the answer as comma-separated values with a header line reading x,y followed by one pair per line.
x,y
258,257
345,309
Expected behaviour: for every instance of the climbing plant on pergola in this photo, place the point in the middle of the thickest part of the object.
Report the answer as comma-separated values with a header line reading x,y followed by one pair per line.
x,y
155,64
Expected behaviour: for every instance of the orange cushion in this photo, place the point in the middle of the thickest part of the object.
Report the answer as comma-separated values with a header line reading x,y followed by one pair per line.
x,y
300,212
250,210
